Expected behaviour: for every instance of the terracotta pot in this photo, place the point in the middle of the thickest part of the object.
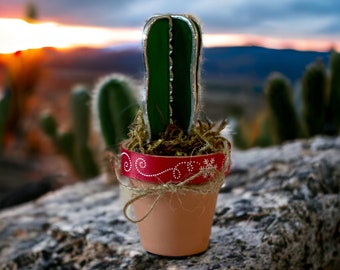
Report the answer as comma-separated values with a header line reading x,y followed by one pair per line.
x,y
178,225
173,223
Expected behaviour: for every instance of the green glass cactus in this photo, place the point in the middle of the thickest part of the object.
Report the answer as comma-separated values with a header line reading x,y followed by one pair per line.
x,y
283,115
169,123
313,97
172,47
114,107
74,144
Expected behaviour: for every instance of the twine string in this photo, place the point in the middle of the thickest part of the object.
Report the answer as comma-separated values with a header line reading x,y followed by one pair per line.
x,y
147,213
158,190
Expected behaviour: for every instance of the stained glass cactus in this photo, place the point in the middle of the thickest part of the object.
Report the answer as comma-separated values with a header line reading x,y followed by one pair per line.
x,y
172,48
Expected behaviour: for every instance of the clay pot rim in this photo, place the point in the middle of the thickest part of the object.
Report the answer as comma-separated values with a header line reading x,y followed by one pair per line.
x,y
161,156
170,169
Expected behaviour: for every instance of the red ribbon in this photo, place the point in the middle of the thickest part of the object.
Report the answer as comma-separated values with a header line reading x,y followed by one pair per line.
x,y
171,169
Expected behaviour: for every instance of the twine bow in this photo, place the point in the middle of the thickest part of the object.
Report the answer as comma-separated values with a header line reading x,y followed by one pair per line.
x,y
139,192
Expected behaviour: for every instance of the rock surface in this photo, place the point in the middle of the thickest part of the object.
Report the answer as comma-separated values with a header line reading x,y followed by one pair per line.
x,y
279,209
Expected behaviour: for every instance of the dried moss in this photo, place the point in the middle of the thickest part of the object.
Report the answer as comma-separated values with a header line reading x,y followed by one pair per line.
x,y
204,138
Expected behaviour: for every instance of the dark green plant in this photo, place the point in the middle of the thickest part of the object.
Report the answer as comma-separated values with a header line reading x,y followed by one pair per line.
x,y
31,12
80,113
264,137
172,47
282,112
74,144
313,97
63,141
24,70
114,107
4,107
240,138
253,133
333,107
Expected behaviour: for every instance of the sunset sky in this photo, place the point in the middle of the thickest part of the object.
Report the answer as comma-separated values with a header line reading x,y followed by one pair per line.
x,y
299,24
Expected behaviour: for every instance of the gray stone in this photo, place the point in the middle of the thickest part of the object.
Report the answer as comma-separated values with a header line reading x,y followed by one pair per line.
x,y
279,209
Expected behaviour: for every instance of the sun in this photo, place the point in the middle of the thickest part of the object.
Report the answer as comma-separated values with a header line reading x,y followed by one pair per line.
x,y
17,34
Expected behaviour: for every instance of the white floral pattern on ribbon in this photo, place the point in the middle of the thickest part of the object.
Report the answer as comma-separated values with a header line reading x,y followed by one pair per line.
x,y
209,168
141,165
157,169
127,165
176,172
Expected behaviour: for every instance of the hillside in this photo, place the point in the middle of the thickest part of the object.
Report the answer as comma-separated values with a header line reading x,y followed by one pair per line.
x,y
239,64
233,65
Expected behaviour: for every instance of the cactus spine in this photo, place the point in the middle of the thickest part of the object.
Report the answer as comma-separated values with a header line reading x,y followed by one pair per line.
x,y
74,144
114,107
313,97
172,45
284,118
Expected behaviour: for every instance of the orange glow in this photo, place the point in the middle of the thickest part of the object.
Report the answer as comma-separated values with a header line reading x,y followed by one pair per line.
x,y
16,34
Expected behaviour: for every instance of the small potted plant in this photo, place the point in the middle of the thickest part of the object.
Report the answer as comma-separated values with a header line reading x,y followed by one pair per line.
x,y
176,162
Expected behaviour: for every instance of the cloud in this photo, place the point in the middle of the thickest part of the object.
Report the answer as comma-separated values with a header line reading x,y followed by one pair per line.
x,y
288,18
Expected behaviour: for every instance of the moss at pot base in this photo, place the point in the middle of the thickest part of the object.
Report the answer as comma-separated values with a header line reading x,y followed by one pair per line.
x,y
204,138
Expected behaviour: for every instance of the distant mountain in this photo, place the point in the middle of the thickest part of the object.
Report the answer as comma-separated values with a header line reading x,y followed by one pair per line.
x,y
256,63
125,60
230,65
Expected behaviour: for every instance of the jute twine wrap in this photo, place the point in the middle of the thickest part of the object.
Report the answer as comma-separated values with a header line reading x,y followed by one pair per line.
x,y
158,190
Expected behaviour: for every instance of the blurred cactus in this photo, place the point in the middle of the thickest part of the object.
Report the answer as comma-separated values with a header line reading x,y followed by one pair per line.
x,y
282,112
333,106
80,113
114,107
23,74
313,98
262,125
240,134
49,124
172,47
31,12
74,144
22,71
4,106
63,141
320,113
253,133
